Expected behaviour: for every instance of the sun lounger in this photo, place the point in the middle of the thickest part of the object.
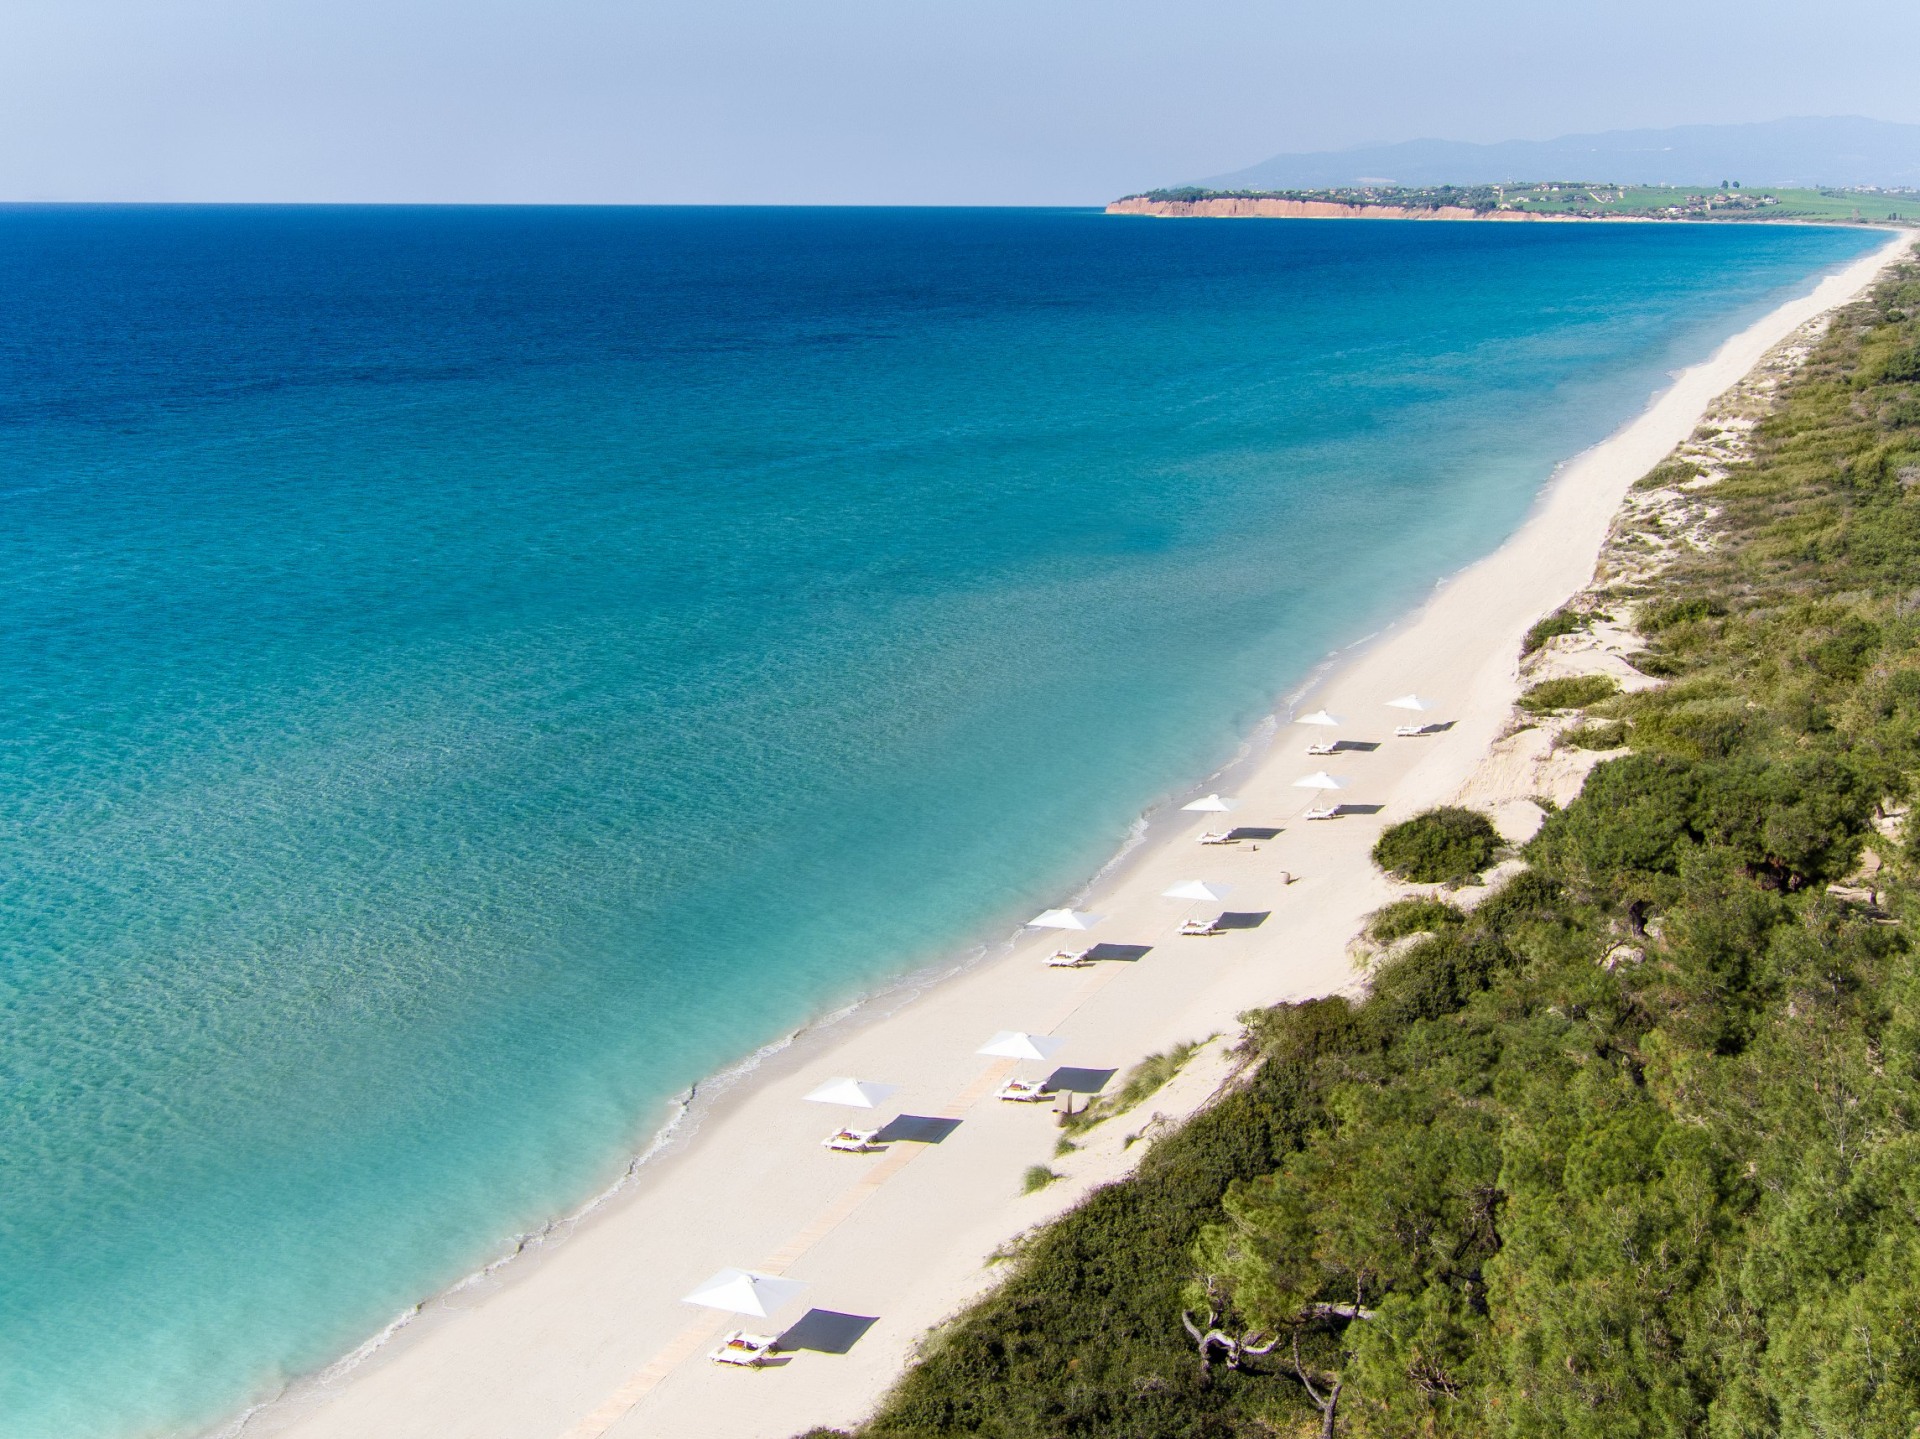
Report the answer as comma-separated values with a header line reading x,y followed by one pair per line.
x,y
853,1141
749,1351
1325,811
1219,836
1068,959
1412,731
1201,926
1331,746
1023,1091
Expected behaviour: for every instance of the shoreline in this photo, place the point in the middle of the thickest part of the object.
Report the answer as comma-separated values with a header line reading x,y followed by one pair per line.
x,y
572,1339
709,1099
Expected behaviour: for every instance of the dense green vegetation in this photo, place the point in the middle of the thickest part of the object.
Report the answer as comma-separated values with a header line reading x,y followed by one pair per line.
x,y
1573,693
1566,620
1632,1147
1607,734
1727,201
1414,915
1441,846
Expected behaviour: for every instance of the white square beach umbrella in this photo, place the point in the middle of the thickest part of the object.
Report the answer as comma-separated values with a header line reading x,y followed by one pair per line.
x,y
1198,889
1322,718
1064,919
1411,702
744,1291
1213,804
1320,779
854,1093
1017,1044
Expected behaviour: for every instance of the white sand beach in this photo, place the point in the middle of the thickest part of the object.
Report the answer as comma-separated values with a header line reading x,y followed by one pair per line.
x,y
592,1338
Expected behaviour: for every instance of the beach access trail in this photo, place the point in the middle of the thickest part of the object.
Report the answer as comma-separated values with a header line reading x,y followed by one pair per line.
x,y
591,1339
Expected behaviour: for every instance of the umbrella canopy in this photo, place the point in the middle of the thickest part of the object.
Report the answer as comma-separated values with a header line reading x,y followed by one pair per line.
x,y
1319,779
1198,889
1213,804
1321,717
1015,1044
854,1093
743,1291
1064,919
1410,702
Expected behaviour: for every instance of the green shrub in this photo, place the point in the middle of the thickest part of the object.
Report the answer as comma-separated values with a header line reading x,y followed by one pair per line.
x,y
1633,820
1416,915
1690,721
1671,613
1656,664
1572,693
1441,846
1596,736
1789,822
1436,977
1901,365
1561,622
1668,474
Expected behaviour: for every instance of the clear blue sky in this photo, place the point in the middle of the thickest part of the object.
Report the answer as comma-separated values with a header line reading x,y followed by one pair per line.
x,y
866,101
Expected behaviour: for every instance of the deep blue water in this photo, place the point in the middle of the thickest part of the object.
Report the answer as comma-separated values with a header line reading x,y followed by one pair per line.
x,y
468,674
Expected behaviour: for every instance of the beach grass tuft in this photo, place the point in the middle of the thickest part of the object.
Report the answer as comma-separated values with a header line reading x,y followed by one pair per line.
x,y
1145,1079
1037,1177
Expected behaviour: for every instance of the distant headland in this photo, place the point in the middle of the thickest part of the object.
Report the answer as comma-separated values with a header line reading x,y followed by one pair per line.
x,y
1556,200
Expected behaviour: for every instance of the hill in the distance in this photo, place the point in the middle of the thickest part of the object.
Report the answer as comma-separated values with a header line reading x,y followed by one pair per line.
x,y
1833,150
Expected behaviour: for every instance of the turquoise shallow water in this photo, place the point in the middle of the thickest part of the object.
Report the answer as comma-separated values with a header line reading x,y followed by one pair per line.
x,y
468,674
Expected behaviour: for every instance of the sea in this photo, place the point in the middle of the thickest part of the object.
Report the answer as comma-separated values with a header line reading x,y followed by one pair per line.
x,y
467,675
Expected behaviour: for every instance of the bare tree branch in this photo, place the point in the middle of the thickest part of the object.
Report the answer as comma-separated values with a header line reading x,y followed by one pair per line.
x,y
1329,1406
1335,1311
1301,1373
